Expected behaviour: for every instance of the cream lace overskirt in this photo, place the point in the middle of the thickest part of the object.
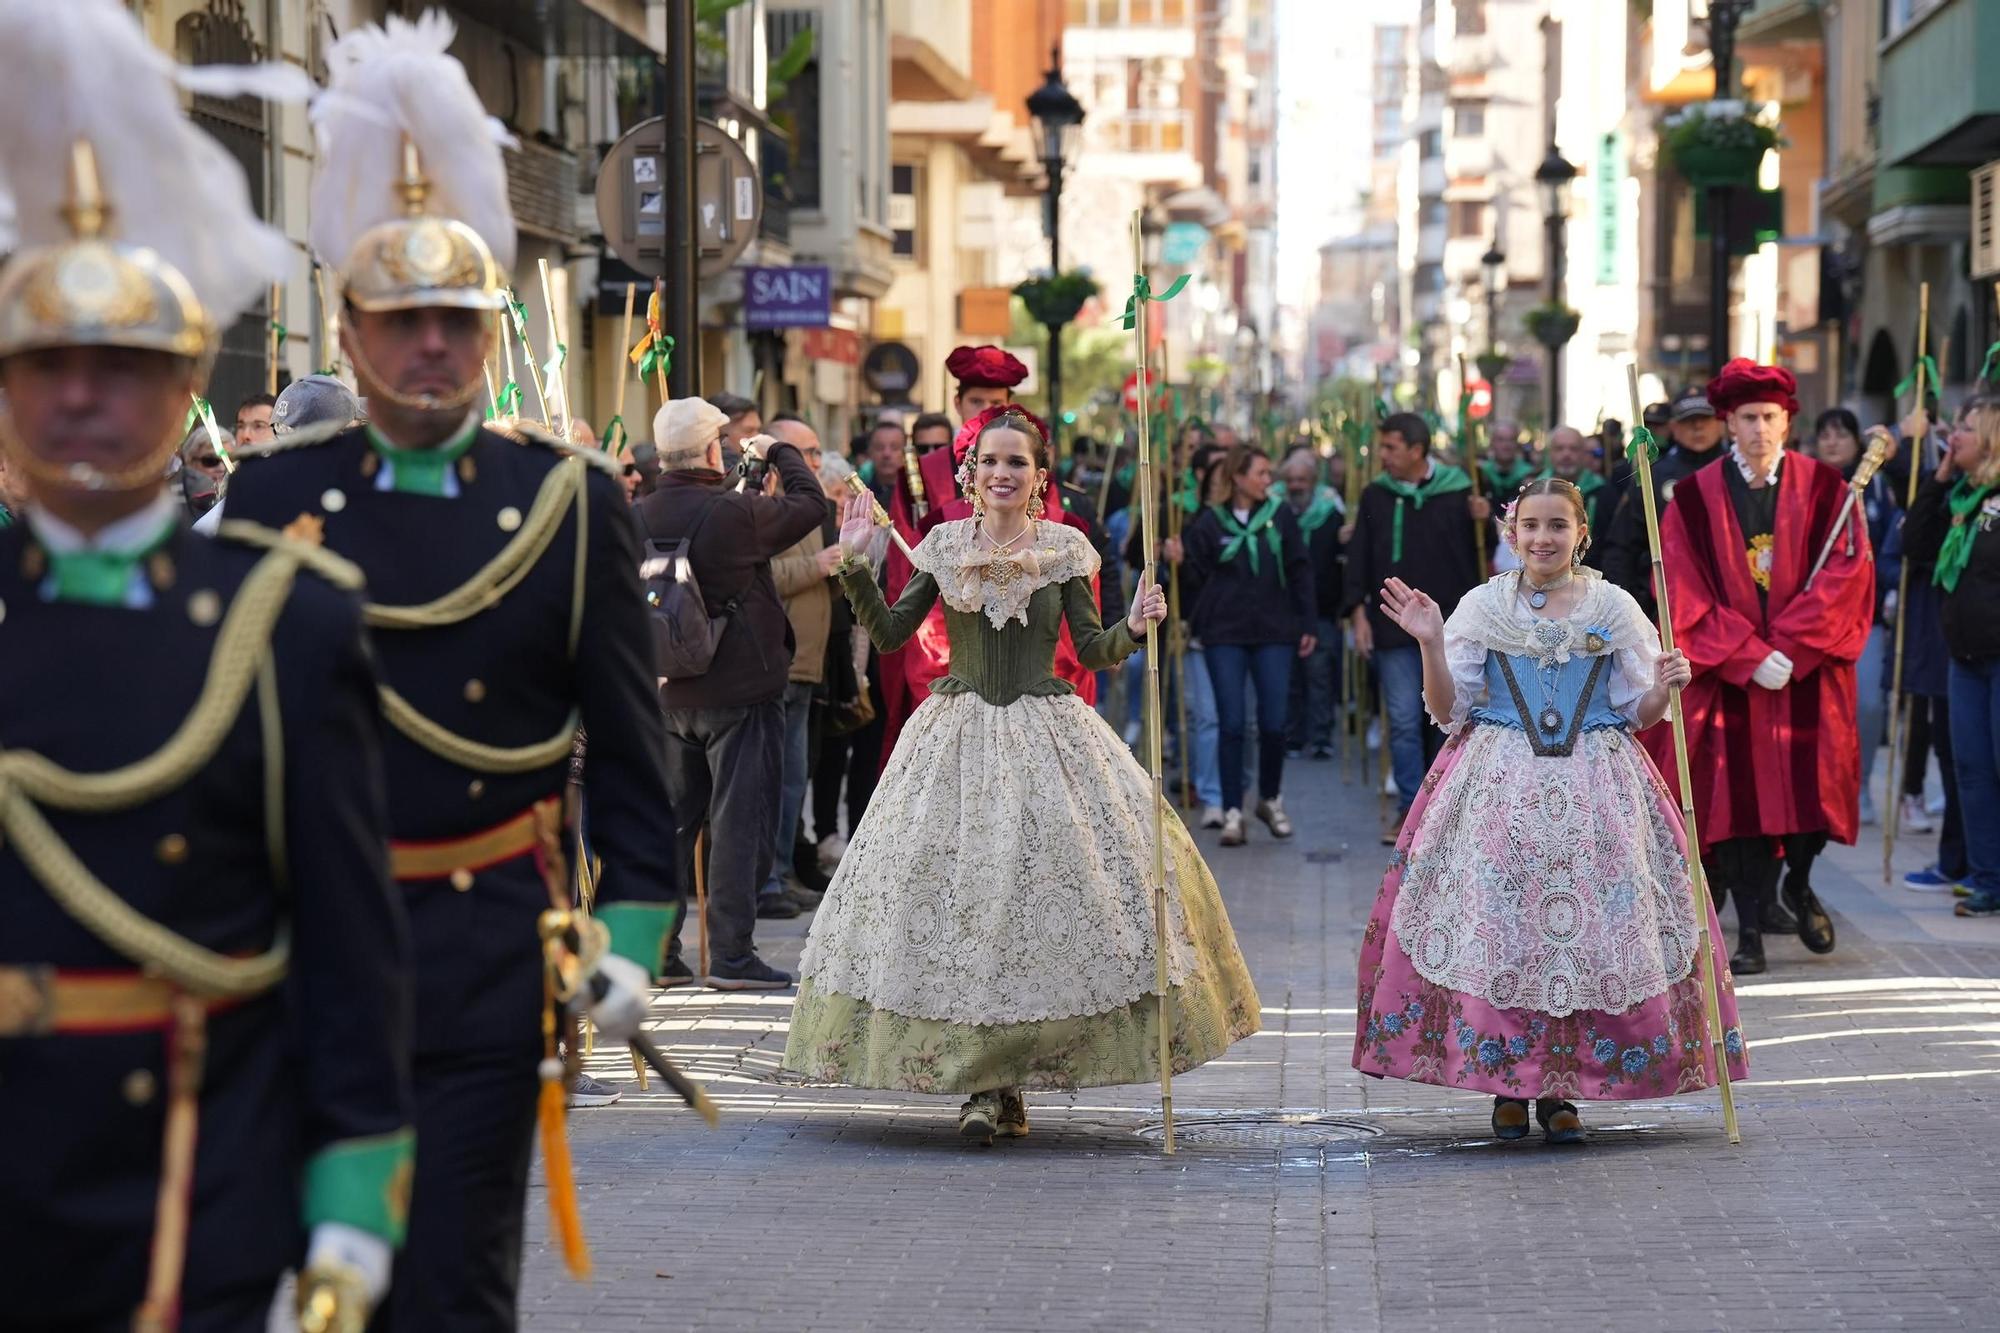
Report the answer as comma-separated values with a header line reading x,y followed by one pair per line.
x,y
1554,885
1003,872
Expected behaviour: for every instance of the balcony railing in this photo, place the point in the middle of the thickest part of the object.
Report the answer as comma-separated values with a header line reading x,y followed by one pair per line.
x,y
1164,131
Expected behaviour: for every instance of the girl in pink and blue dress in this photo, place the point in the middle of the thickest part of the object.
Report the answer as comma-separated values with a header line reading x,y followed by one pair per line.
x,y
1535,938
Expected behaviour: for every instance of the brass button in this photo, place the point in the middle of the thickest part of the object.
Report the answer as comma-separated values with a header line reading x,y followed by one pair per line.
x,y
475,690
333,500
204,608
467,473
508,519
160,570
476,788
461,879
172,849
139,1086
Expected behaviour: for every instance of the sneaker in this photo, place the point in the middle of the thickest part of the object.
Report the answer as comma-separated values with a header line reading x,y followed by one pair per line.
x,y
753,973
831,848
1961,890
1013,1122
1322,752
587,1091
1295,752
776,907
1211,816
1232,828
1929,880
1914,818
803,898
676,972
979,1117
1272,812
1979,904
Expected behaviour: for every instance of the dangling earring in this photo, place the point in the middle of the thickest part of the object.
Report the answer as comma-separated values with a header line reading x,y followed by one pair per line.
x,y
1035,505
978,502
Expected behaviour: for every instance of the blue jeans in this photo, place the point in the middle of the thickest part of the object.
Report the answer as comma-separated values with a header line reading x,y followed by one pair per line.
x,y
1975,752
1204,761
797,705
1400,673
1872,702
1316,691
1233,667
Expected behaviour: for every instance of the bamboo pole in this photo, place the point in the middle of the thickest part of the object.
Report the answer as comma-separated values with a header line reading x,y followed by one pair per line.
x,y
1149,520
559,390
1698,896
329,320
1899,707
528,355
277,315
624,345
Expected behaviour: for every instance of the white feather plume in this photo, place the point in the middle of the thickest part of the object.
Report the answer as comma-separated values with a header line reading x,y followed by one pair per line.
x,y
84,69
385,82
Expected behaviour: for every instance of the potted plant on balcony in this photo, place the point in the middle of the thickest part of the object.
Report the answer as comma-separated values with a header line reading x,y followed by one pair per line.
x,y
1492,364
1718,143
1055,299
1551,324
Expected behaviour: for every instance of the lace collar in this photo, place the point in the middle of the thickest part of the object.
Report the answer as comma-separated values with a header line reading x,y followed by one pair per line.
x,y
1606,619
972,578
1749,472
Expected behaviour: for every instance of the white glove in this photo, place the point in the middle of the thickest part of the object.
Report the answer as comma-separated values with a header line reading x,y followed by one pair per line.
x,y
1774,672
337,1245
623,1006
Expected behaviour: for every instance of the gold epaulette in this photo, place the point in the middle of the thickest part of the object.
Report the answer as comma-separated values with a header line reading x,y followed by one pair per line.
x,y
526,432
319,433
301,541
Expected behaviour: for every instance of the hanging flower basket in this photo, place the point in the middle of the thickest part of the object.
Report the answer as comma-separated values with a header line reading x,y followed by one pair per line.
x,y
1054,300
1492,365
1552,325
1717,143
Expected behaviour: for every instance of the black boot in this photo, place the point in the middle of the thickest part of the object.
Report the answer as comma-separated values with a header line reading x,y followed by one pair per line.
x,y
1748,960
1815,927
1778,918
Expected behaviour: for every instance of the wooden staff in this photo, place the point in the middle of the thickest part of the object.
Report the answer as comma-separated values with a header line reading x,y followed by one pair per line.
x,y
882,519
329,320
534,367
277,314
1698,897
624,345
1472,471
1149,520
1899,707
559,423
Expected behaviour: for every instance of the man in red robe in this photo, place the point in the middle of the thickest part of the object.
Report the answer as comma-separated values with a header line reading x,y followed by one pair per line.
x,y
985,377
1771,726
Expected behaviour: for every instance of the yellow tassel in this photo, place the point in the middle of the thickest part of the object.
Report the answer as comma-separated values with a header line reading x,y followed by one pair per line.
x,y
563,1216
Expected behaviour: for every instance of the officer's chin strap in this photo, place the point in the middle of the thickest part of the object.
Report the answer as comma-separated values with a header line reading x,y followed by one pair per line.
x,y
87,478
378,387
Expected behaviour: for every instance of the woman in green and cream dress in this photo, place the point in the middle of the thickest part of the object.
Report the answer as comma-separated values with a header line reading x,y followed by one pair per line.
x,y
991,926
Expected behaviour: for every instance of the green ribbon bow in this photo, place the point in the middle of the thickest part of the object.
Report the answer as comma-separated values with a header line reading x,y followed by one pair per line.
x,y
1243,537
1444,480
200,413
282,332
1927,364
519,312
658,356
1956,553
509,402
1641,438
1986,367
615,426
1142,290
552,368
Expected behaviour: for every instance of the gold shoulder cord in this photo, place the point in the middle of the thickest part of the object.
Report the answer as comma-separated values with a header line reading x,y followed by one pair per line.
x,y
29,781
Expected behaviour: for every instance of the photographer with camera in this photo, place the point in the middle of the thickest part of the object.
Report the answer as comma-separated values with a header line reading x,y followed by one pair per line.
x,y
725,726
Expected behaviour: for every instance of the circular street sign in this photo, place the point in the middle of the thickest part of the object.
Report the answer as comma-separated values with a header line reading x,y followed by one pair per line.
x,y
1481,405
632,198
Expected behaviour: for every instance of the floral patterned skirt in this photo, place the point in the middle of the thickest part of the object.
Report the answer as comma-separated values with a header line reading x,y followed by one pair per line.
x,y
1010,942
1409,1027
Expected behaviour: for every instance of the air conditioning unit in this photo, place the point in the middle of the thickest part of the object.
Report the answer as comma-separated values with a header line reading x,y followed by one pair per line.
x,y
1986,221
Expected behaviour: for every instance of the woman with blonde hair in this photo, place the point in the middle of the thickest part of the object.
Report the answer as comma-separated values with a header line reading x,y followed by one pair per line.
x,y
1953,525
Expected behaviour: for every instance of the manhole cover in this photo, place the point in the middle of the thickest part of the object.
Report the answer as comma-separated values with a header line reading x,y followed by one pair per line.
x,y
1274,1129
1325,856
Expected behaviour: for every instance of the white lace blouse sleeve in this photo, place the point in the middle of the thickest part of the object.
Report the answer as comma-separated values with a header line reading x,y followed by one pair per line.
x,y
1466,656
1638,648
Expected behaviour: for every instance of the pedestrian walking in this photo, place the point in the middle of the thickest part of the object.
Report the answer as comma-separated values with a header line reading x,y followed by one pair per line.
x,y
990,930
1535,937
1321,513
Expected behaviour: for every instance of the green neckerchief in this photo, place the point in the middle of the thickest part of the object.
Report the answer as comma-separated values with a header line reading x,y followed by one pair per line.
x,y
1587,482
1511,479
6,517
1443,480
1126,475
1956,553
102,578
422,471
1243,537
1187,499
1325,505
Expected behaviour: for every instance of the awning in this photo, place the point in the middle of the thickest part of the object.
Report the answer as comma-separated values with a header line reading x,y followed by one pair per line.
x,y
586,29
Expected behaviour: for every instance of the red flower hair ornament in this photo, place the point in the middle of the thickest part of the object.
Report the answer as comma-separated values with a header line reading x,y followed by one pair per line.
x,y
968,435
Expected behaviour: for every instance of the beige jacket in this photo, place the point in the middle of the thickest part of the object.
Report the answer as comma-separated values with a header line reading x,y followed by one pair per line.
x,y
808,605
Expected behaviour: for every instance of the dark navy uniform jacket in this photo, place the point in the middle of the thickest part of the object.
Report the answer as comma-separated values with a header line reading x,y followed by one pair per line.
x,y
320,1060
506,676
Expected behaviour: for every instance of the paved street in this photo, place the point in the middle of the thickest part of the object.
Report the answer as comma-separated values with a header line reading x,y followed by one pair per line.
x,y
1863,1197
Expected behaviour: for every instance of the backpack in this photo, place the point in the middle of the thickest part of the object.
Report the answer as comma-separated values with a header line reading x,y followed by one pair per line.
x,y
685,636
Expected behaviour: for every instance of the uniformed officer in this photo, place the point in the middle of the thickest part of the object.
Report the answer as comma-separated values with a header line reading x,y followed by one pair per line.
x,y
506,610
203,964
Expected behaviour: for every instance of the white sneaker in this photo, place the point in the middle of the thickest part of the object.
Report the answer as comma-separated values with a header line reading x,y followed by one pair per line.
x,y
1232,828
1272,812
1374,741
1915,819
831,848
1211,816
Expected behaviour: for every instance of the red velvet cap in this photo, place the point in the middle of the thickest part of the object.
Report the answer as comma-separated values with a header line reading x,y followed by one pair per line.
x,y
1744,381
985,367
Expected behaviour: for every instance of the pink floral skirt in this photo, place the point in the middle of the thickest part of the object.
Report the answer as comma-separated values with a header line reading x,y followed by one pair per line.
x,y
1409,1027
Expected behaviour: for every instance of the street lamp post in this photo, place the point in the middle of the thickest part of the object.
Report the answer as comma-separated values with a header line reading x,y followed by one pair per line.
x,y
1057,116
1554,176
1493,264
1723,16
